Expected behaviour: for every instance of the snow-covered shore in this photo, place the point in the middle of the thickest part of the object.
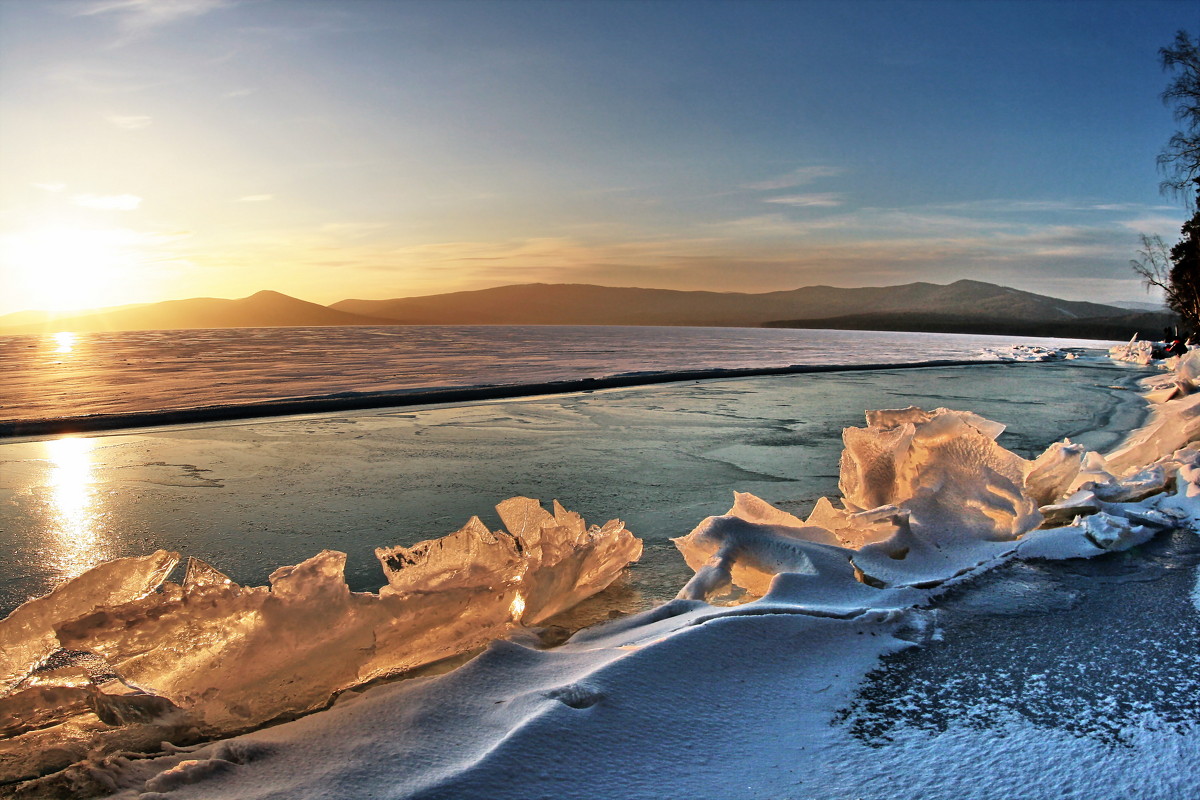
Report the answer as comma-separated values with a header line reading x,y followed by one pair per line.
x,y
700,700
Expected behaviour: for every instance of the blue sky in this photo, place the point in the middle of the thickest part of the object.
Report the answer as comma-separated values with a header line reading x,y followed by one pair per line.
x,y
153,149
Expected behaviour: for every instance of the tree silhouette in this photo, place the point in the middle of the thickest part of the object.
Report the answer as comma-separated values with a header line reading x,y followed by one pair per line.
x,y
1180,159
1177,271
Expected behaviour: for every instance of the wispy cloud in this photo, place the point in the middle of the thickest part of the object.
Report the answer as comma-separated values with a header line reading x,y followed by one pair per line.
x,y
236,93
817,200
797,177
1041,206
108,202
255,198
50,187
130,122
136,17
1164,226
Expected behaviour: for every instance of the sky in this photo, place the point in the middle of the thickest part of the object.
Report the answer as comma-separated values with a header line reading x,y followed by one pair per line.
x,y
159,149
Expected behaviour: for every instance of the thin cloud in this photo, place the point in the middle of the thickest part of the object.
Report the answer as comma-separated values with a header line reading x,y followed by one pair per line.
x,y
797,177
109,202
130,122
1041,206
818,200
141,16
50,187
1164,226
255,198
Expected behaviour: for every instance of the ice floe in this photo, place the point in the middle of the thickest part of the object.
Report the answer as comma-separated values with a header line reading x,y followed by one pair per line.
x,y
1135,351
1028,352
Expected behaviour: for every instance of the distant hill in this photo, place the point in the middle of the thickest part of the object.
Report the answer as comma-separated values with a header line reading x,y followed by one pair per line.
x,y
581,304
1139,305
1148,325
963,306
261,310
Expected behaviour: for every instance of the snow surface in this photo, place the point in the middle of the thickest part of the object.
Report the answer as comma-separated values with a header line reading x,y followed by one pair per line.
x,y
748,698
1196,592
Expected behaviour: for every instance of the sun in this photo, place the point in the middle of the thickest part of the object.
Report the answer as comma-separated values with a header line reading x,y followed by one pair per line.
x,y
58,268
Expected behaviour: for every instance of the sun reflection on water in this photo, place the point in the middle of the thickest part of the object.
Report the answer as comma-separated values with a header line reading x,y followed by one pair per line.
x,y
65,341
74,544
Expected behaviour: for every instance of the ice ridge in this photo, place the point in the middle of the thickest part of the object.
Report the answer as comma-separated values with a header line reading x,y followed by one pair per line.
x,y
118,653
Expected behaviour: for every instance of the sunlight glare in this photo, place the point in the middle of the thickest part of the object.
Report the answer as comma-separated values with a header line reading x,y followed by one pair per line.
x,y
75,541
65,341
518,607
61,268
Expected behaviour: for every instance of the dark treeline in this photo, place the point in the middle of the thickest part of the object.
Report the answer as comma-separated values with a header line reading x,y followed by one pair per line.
x,y
1147,325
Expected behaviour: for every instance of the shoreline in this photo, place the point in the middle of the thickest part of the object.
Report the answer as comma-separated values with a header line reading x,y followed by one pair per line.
x,y
359,401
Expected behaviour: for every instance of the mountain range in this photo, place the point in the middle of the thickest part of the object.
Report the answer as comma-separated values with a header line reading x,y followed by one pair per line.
x,y
963,306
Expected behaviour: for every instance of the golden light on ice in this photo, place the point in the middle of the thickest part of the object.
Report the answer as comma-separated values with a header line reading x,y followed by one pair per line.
x,y
518,607
74,543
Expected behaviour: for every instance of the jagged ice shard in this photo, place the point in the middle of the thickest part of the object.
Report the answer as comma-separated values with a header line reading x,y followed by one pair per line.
x,y
118,647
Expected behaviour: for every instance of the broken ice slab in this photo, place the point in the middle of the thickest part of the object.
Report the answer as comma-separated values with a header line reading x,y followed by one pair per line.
x,y
236,656
239,656
577,561
854,529
1137,351
546,562
1050,476
201,573
27,634
943,467
471,557
729,549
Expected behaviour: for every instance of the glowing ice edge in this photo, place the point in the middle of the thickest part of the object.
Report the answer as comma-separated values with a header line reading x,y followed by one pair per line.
x,y
633,708
116,657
